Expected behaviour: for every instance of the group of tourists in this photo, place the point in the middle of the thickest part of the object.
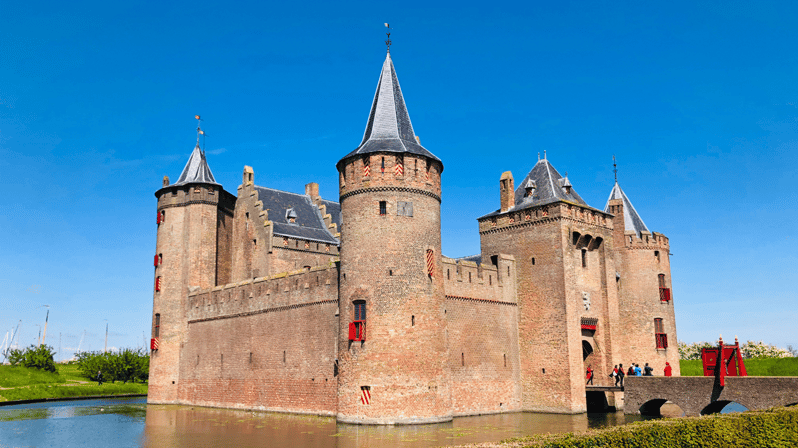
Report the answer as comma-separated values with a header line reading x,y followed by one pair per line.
x,y
634,370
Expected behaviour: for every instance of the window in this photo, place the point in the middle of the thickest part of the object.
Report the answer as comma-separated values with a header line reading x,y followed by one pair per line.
x,y
382,165
157,331
357,328
656,254
383,208
404,209
664,291
584,258
398,167
430,262
412,321
659,334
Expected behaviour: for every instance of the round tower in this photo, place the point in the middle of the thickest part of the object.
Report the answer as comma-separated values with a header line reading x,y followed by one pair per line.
x,y
645,298
185,258
392,349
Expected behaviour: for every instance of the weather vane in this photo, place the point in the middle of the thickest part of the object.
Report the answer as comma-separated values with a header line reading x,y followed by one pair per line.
x,y
200,132
388,40
615,168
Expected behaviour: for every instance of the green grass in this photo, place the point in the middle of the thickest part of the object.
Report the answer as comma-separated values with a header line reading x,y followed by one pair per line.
x,y
21,383
754,367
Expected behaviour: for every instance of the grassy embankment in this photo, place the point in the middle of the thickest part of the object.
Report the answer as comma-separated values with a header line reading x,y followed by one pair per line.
x,y
22,383
770,428
754,367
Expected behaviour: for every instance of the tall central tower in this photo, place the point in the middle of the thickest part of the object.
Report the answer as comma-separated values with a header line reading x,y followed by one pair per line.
x,y
392,351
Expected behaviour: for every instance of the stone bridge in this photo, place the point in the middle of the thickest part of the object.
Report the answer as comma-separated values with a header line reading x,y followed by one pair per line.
x,y
701,395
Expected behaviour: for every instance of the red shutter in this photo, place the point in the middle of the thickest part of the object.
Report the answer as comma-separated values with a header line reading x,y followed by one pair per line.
x,y
363,331
155,263
158,284
352,331
154,343
159,217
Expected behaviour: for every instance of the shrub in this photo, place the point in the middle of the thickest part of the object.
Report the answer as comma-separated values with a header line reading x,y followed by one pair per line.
x,y
40,357
124,365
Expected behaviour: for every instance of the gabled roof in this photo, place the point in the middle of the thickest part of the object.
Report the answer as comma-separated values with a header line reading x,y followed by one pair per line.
x,y
308,223
196,170
631,220
547,186
389,128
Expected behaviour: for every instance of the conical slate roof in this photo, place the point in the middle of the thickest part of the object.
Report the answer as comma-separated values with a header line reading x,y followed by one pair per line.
x,y
389,128
631,220
196,170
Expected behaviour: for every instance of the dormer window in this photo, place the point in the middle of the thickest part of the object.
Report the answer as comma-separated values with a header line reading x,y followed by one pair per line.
x,y
565,184
290,215
529,188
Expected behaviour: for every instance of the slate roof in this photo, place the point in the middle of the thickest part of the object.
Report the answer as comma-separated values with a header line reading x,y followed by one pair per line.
x,y
308,225
548,186
196,170
631,220
389,128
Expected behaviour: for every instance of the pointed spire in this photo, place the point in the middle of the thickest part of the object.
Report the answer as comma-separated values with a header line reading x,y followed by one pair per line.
x,y
389,128
631,220
196,170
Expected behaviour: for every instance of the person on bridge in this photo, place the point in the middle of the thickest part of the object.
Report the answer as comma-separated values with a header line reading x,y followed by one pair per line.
x,y
620,376
638,371
589,375
614,374
631,371
647,370
668,371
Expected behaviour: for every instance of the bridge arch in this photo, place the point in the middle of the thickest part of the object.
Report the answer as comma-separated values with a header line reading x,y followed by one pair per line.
x,y
654,408
718,406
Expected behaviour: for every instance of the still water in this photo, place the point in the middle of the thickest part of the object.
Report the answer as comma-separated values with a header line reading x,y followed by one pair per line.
x,y
133,423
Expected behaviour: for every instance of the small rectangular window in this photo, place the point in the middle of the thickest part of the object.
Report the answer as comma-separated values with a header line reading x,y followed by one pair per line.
x,y
383,208
157,331
365,394
431,262
584,258
659,334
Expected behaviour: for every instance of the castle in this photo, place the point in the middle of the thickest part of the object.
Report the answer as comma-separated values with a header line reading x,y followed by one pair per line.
x,y
289,302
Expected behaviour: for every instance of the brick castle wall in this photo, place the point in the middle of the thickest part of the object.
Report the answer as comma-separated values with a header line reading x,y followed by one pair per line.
x,y
266,344
482,320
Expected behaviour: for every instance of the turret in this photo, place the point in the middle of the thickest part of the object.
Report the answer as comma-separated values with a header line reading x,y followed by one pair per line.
x,y
392,348
645,301
192,252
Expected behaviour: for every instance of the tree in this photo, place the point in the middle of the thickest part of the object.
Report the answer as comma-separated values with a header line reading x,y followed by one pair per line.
x,y
40,357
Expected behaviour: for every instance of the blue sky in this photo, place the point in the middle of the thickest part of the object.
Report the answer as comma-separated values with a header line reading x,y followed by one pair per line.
x,y
696,99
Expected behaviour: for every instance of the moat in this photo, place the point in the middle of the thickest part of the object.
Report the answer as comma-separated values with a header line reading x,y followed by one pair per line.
x,y
133,423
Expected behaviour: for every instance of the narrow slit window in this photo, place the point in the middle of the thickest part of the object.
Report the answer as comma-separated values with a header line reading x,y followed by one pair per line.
x,y
157,330
584,258
383,208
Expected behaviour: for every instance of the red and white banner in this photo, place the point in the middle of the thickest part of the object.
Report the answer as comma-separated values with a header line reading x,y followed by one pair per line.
x,y
154,343
430,262
398,169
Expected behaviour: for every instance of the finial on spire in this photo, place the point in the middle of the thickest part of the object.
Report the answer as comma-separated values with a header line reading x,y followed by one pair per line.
x,y
544,155
200,132
538,156
388,40
615,168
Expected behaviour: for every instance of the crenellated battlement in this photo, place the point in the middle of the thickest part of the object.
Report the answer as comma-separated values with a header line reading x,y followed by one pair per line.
x,y
390,171
646,240
542,214
302,287
482,281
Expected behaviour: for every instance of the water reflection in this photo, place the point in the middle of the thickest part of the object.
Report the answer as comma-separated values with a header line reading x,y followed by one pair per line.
x,y
134,423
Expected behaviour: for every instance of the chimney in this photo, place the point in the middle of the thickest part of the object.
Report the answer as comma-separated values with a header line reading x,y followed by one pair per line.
x,y
312,190
507,191
166,181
